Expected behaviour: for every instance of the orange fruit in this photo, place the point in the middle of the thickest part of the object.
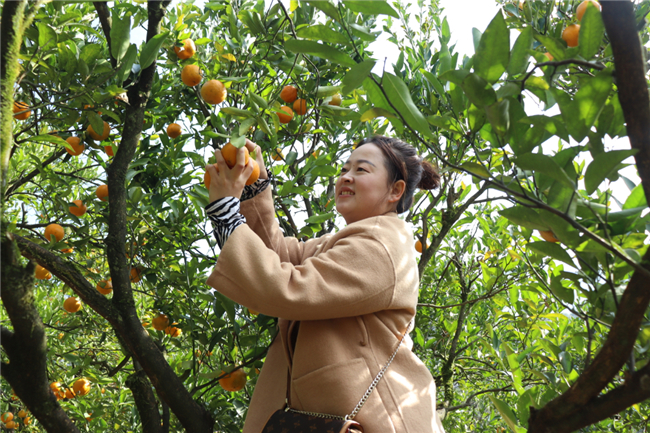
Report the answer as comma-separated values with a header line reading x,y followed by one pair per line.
x,y
285,118
289,94
109,150
22,413
102,192
571,35
229,153
207,178
56,389
42,273
76,144
11,425
214,92
105,286
135,275
99,137
548,236
160,322
549,56
27,420
173,130
72,305
78,209
81,386
300,107
173,331
21,106
6,417
91,107
54,229
69,393
67,250
234,381
582,8
255,174
336,100
418,246
191,75
187,50
278,155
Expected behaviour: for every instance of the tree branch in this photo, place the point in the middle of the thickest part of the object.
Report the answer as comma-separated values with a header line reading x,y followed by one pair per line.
x,y
145,402
104,15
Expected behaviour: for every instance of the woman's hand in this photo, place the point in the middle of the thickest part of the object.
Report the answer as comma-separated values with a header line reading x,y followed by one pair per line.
x,y
258,157
229,182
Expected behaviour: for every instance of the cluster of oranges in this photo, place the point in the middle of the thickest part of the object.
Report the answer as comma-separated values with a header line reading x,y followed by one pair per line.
x,y
161,323
10,422
571,33
80,387
229,154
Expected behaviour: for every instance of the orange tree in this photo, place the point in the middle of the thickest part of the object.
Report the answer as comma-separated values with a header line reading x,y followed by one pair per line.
x,y
519,331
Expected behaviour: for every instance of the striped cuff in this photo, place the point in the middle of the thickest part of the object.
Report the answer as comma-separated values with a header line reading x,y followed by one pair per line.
x,y
225,217
251,191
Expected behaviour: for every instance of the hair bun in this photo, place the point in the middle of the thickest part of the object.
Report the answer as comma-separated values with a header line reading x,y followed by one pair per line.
x,y
430,177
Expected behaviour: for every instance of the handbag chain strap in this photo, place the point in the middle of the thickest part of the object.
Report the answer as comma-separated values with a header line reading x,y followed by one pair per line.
x,y
366,395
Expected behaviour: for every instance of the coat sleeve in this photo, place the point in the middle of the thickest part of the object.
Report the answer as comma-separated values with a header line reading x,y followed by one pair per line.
x,y
260,217
355,276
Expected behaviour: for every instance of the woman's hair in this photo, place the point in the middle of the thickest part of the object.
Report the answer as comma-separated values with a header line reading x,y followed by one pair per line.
x,y
403,163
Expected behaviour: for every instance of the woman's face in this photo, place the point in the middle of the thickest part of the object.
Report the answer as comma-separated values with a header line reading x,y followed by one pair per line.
x,y
362,189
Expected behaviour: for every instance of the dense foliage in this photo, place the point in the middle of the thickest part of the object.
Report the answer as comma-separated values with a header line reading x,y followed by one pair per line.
x,y
527,250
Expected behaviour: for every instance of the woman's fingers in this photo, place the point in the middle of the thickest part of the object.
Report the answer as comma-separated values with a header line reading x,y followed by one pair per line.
x,y
241,160
258,157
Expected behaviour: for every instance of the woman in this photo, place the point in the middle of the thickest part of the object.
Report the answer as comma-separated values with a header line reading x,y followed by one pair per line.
x,y
343,300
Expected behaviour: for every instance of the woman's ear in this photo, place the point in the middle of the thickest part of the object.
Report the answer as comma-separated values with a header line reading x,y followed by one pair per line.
x,y
397,191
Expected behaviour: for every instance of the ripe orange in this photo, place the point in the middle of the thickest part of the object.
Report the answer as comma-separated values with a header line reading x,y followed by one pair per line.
x,y
418,246
21,106
81,386
289,94
173,130
187,50
76,144
207,178
214,92
191,75
72,305
135,275
160,322
54,230
67,250
548,236
22,413
109,150
255,174
6,417
582,8
79,209
285,118
571,35
11,425
102,192
69,393
234,381
173,331
336,100
42,273
27,420
549,56
56,389
97,137
105,286
229,153
278,155
300,107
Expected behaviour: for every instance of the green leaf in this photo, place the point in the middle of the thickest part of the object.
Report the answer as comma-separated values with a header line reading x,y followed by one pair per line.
x,y
261,102
398,93
565,360
602,166
478,91
455,76
567,295
521,52
320,50
49,138
546,165
499,116
90,53
371,7
476,117
552,250
324,91
318,219
476,169
323,33
151,49
592,30
553,46
327,7
127,64
120,34
374,113
355,76
525,217
434,82
493,54
237,112
96,122
636,198
46,36
445,122
506,413
362,33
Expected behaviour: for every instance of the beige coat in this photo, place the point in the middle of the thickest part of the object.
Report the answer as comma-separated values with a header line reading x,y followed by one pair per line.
x,y
354,294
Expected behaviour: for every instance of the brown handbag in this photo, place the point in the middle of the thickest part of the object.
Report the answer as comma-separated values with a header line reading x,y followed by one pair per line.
x,y
290,420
